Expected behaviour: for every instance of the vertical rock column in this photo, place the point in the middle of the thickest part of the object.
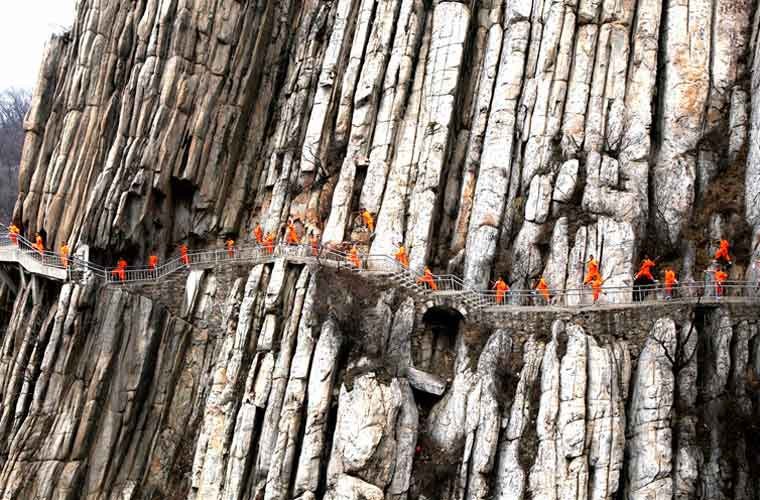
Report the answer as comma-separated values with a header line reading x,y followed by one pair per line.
x,y
451,23
359,103
493,183
686,84
649,445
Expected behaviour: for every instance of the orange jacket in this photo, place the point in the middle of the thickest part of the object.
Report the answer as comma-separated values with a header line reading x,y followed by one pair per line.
x,y
368,220
670,278
292,235
401,256
259,234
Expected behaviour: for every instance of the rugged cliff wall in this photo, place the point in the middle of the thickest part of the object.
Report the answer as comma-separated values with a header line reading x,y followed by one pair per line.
x,y
491,138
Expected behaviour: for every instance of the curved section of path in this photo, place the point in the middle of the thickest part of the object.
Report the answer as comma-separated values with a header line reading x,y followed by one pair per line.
x,y
449,289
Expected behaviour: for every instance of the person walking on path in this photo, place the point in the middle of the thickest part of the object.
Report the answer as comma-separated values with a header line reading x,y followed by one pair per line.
x,y
428,279
64,251
183,256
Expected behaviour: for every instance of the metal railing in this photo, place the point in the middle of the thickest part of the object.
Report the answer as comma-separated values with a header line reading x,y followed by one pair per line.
x,y
453,287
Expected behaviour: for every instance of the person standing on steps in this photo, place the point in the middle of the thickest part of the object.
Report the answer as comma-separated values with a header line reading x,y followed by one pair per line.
x,y
153,262
596,286
353,257
501,290
39,245
230,244
369,221
292,234
592,270
543,289
401,257
183,256
64,252
428,279
269,242
258,233
13,232
722,255
670,282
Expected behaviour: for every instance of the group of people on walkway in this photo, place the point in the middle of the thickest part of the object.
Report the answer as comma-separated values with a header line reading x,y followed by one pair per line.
x,y
593,279
64,252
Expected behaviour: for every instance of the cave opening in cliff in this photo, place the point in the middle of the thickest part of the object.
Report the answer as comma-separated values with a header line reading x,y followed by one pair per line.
x,y
433,346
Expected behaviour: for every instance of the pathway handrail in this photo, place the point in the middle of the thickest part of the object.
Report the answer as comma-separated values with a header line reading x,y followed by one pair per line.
x,y
448,284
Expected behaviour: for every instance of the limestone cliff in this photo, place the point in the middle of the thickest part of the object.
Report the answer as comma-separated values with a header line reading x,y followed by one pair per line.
x,y
492,139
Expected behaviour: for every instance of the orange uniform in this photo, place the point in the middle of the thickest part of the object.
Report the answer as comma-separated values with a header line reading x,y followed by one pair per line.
x,y
401,257
121,270
670,281
293,238
153,262
592,271
353,257
314,242
258,232
13,233
722,253
230,244
543,289
596,286
183,254
428,279
501,289
645,271
64,250
269,243
38,245
368,221
720,278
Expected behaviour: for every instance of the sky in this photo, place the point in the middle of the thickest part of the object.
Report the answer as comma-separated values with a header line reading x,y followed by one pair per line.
x,y
25,27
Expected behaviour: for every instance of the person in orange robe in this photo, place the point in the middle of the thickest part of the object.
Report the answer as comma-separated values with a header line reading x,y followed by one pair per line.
x,y
258,233
153,262
353,257
269,243
38,245
543,289
428,279
64,251
13,233
183,254
670,282
501,290
369,221
121,270
720,278
596,286
401,257
722,254
230,244
592,270
645,270
292,237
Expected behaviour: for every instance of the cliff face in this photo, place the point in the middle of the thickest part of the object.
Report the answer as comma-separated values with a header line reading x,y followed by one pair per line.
x,y
492,139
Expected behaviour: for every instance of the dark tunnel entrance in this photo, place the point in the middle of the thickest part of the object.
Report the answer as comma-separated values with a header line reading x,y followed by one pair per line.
x,y
434,346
